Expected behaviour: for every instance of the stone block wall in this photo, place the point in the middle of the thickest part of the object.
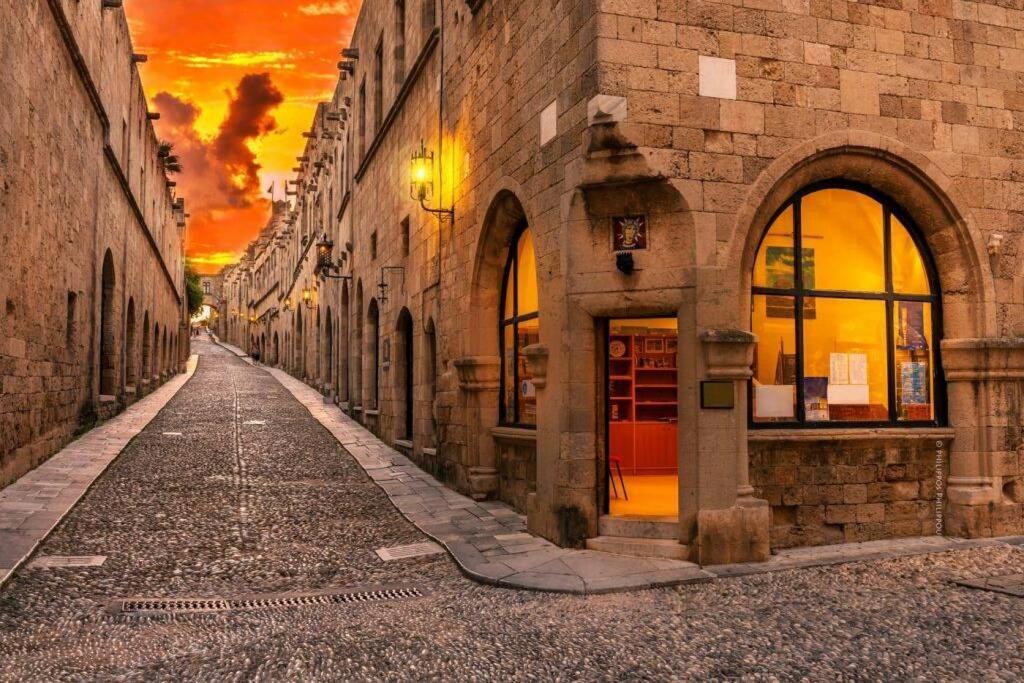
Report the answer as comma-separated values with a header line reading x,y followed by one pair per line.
x,y
74,140
842,491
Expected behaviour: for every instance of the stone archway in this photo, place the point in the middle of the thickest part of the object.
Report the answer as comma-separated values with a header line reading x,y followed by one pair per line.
x,y
970,324
404,376
108,328
131,353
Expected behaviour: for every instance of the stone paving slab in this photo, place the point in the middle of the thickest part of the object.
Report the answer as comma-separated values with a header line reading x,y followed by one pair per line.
x,y
488,540
1010,584
32,506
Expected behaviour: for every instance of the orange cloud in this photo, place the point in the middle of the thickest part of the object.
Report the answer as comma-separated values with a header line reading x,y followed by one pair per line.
x,y
199,55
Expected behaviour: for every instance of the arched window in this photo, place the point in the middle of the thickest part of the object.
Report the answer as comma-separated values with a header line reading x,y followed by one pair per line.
x,y
846,312
519,328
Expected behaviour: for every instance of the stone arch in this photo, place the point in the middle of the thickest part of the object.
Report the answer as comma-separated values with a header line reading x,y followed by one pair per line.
x,y
404,377
131,362
299,345
147,349
344,348
373,356
911,181
165,364
328,349
504,218
156,350
357,347
108,328
277,349
430,377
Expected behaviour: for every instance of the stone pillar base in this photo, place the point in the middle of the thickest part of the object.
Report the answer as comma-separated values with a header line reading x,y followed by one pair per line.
x,y
483,482
736,534
984,521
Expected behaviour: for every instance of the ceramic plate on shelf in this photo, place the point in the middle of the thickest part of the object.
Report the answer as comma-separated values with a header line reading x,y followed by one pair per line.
x,y
617,349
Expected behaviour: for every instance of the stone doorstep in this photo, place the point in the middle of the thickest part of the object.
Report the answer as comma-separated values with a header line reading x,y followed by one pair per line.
x,y
52,501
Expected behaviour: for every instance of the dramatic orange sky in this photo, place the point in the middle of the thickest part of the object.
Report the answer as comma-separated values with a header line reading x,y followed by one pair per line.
x,y
236,83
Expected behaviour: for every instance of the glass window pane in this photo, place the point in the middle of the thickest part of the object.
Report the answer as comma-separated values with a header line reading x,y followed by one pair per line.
x,y
774,359
845,360
508,308
774,264
912,338
529,333
843,247
908,272
508,399
527,266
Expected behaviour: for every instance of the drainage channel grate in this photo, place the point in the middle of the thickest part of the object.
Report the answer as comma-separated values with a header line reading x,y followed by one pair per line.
x,y
56,561
343,596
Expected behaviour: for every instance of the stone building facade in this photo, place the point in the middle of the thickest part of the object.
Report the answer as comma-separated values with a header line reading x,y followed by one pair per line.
x,y
799,220
91,230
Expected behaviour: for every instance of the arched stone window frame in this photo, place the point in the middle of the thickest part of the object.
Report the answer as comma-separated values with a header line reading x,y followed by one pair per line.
x,y
511,415
890,209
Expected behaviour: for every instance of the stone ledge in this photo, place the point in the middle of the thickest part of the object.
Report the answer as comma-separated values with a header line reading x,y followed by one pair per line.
x,y
514,435
755,435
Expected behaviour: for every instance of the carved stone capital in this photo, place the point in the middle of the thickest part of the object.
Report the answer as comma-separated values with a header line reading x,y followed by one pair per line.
x,y
537,363
728,354
478,373
994,358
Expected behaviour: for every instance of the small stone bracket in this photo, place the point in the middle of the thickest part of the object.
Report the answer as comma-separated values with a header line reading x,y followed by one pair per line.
x,y
728,354
537,363
478,373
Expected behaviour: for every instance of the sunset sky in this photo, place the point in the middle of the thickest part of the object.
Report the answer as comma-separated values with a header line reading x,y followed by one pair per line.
x,y
236,83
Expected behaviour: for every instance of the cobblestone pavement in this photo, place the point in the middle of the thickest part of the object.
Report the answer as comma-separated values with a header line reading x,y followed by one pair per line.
x,y
231,508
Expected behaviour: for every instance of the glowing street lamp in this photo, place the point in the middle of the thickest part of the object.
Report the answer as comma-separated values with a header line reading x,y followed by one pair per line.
x,y
325,264
307,297
421,181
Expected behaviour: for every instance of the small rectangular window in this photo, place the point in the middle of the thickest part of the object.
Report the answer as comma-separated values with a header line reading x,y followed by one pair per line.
x,y
373,245
362,119
405,236
399,41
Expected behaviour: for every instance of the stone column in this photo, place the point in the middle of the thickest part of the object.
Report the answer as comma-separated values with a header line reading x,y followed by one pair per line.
x,y
732,525
984,384
479,377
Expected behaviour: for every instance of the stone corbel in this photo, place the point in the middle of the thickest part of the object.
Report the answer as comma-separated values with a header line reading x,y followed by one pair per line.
x,y
992,358
537,363
728,354
478,373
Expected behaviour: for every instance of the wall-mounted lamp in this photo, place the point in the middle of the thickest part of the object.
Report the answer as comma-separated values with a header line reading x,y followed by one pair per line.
x,y
307,297
624,262
421,181
325,266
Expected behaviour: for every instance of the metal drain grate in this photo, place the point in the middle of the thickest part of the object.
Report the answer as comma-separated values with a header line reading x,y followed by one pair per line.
x,y
171,433
402,552
366,594
255,422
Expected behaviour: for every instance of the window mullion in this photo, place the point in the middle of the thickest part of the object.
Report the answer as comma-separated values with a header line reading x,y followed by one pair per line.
x,y
515,330
798,313
890,355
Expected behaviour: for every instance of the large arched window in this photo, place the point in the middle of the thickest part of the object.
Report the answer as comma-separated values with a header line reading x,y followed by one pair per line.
x,y
846,312
519,328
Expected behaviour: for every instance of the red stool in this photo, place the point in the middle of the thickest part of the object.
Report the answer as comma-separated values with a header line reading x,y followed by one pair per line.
x,y
617,461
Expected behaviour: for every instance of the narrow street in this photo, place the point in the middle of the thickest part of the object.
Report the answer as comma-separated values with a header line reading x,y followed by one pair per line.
x,y
255,496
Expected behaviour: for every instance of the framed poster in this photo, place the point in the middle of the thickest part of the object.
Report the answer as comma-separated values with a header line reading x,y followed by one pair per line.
x,y
629,233
816,399
910,331
654,345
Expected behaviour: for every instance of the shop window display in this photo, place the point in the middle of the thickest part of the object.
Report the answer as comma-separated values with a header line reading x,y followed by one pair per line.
x,y
844,310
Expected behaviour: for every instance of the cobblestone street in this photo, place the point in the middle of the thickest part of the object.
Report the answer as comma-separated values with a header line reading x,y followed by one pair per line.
x,y
235,489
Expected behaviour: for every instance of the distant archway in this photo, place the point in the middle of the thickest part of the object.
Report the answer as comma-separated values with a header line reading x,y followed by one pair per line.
x,y
131,353
329,349
147,351
108,330
373,320
404,378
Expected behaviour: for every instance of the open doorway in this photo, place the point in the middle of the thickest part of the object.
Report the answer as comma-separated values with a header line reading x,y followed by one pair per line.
x,y
643,417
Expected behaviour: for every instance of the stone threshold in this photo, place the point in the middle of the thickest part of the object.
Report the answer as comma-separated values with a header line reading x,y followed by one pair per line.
x,y
487,540
35,504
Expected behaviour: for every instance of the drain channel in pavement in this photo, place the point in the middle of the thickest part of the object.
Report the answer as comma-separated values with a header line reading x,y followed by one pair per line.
x,y
402,552
355,595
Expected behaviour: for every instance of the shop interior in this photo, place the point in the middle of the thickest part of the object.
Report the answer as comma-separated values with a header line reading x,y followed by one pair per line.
x,y
643,418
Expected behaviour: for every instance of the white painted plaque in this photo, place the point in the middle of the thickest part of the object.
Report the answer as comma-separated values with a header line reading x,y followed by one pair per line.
x,y
773,400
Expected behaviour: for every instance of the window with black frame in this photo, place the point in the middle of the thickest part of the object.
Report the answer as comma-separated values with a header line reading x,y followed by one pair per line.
x,y
519,327
846,313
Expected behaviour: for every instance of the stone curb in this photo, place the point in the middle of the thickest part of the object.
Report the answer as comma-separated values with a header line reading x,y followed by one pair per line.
x,y
43,497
